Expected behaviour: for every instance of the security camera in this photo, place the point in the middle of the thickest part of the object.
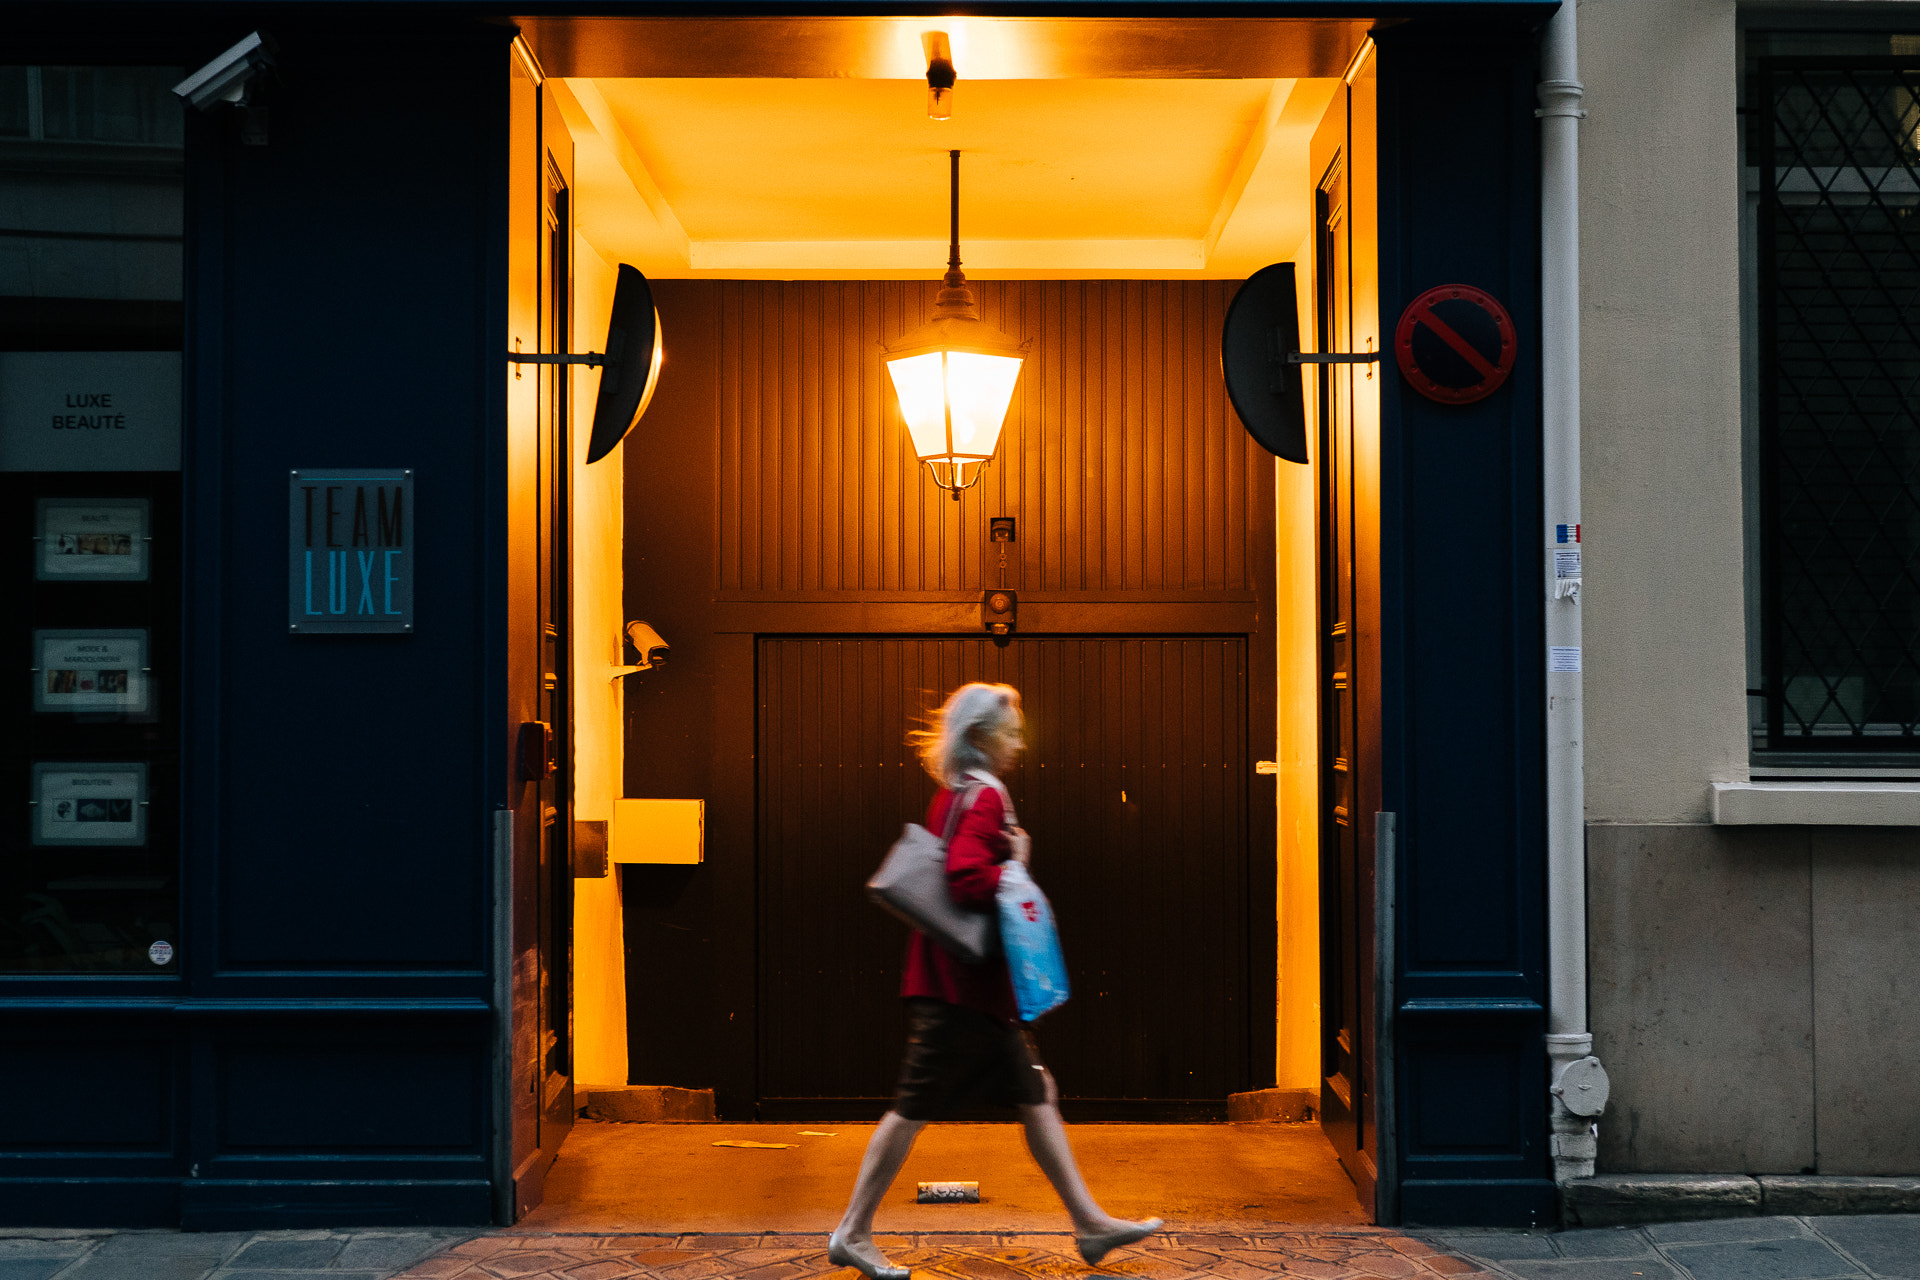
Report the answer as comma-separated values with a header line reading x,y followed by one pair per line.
x,y
647,644
229,77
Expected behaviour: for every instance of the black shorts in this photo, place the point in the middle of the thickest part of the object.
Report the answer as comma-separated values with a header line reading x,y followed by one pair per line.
x,y
959,1058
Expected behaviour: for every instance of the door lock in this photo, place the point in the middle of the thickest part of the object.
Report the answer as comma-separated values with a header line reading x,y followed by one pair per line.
x,y
535,751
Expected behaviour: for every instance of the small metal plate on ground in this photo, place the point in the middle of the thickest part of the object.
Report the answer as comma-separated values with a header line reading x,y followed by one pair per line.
x,y
949,1193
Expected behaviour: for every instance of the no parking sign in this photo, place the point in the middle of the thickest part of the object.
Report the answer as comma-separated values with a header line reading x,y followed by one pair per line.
x,y
1455,344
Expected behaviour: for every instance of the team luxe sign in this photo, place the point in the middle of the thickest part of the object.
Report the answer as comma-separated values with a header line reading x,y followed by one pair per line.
x,y
350,552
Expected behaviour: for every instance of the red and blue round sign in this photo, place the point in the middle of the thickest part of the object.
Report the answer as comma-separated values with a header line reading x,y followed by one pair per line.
x,y
1455,344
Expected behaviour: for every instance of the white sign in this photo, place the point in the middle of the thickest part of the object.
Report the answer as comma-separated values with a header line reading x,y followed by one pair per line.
x,y
93,538
89,410
90,804
1563,657
90,671
161,952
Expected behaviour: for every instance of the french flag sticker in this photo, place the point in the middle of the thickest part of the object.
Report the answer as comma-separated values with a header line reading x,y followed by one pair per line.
x,y
1566,533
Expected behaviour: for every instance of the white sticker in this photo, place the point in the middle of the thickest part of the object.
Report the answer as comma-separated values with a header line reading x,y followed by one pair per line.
x,y
1563,657
1566,562
160,952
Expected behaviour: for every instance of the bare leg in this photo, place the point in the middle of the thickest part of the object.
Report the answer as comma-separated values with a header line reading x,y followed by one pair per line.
x,y
1047,1139
886,1151
1099,1232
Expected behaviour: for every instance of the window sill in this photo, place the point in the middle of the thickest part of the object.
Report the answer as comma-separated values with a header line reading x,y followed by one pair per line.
x,y
1824,804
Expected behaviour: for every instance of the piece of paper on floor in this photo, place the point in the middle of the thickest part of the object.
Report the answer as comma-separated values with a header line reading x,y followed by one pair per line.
x,y
815,1133
758,1146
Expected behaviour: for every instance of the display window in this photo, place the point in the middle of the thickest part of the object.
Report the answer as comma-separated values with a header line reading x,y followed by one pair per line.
x,y
91,276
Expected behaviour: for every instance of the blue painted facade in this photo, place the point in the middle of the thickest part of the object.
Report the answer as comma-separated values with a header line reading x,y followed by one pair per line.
x,y
328,1051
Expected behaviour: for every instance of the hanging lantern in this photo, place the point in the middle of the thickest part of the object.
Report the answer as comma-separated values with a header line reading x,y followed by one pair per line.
x,y
954,375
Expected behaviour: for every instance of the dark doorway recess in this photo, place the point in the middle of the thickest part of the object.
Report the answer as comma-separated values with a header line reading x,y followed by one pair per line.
x,y
1134,787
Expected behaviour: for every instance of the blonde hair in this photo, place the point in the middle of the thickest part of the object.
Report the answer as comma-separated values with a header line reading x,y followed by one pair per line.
x,y
953,743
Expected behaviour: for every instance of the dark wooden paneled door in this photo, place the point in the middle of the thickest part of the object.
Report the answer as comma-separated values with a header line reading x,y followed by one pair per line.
x,y
555,522
536,1066
1346,473
1134,787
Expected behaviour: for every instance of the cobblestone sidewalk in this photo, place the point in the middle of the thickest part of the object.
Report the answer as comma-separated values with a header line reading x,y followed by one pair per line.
x,y
1864,1247
1313,1255
1839,1248
230,1255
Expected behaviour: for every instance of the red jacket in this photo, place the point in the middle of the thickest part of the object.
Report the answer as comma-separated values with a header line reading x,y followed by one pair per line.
x,y
978,848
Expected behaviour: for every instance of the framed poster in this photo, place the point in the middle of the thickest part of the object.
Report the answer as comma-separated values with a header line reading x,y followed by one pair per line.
x,y
92,670
102,804
92,540
350,552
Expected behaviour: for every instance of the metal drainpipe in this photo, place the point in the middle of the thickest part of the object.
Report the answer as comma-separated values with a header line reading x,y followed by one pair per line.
x,y
1578,1083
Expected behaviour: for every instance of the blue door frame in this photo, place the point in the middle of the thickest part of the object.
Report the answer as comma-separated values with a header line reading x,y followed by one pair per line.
x,y
327,1053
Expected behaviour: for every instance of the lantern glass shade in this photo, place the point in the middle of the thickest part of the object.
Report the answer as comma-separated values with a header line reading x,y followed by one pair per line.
x,y
955,403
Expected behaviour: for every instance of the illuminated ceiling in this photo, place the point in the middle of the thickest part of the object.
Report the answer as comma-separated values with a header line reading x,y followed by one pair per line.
x,y
1090,148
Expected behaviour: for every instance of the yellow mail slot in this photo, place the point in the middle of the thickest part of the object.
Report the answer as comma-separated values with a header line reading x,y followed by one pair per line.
x,y
670,831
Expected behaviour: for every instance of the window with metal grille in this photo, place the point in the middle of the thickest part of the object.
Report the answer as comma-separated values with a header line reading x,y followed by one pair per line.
x,y
1834,144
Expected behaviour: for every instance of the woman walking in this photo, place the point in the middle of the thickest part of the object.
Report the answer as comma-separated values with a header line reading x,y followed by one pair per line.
x,y
965,1042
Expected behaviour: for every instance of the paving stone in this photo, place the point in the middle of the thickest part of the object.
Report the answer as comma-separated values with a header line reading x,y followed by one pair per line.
x,y
442,1266
282,1254
1198,1259
303,1273
1595,1269
131,1266
30,1268
1888,1243
1505,1247
391,1251
1763,1260
508,1265
604,1269
695,1270
160,1244
1725,1229
35,1247
1603,1242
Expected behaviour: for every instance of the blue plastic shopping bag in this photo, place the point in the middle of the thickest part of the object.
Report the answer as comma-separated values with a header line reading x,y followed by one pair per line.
x,y
1031,944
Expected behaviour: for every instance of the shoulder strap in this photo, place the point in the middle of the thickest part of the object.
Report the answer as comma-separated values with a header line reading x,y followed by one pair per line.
x,y
1007,816
962,801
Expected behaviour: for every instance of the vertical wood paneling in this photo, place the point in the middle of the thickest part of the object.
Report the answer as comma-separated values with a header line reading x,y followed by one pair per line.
x,y
1135,791
1121,456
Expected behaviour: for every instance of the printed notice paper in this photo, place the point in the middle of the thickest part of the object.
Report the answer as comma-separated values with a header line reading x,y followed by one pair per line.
x,y
90,804
90,671
92,539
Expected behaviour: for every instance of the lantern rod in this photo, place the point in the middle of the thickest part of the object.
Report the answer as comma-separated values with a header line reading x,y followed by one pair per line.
x,y
953,248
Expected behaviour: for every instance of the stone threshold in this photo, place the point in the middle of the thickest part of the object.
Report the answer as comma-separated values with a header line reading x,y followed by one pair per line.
x,y
1626,1199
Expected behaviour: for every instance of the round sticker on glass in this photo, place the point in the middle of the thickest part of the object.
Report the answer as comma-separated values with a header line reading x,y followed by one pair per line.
x,y
160,952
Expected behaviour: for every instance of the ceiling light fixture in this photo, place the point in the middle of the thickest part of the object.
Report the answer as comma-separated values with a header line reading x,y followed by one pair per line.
x,y
955,374
941,76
